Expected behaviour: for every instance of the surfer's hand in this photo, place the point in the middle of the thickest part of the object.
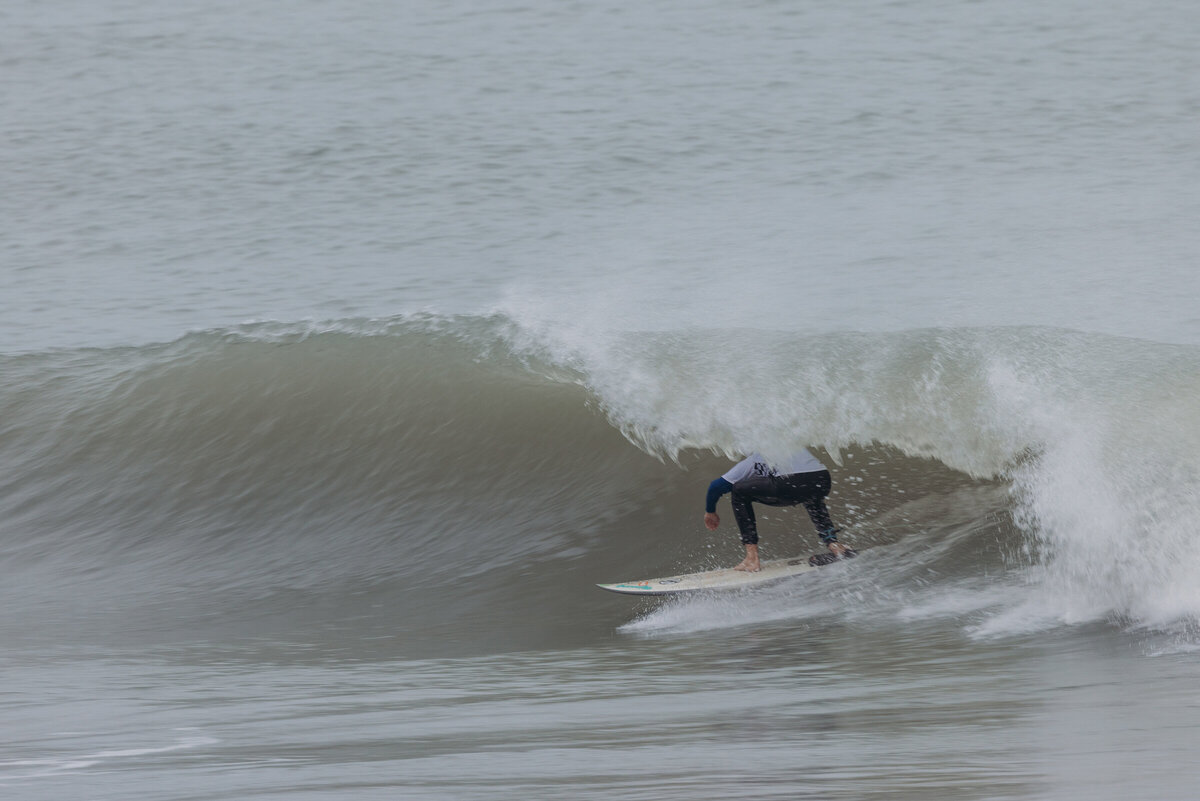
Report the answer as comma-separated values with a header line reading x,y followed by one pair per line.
x,y
711,521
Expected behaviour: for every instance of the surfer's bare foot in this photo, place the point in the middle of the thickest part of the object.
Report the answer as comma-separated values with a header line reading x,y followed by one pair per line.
x,y
837,549
750,564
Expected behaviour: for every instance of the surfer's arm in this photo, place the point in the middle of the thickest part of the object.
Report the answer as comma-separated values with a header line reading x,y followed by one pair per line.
x,y
715,490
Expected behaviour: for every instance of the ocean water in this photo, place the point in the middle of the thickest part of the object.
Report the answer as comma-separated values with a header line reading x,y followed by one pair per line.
x,y
345,346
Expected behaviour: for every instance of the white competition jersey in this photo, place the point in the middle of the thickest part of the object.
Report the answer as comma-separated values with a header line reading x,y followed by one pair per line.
x,y
799,462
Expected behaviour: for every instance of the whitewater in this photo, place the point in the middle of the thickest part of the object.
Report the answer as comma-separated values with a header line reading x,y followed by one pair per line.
x,y
344,350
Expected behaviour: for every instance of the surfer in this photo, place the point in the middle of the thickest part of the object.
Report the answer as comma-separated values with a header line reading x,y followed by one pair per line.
x,y
800,479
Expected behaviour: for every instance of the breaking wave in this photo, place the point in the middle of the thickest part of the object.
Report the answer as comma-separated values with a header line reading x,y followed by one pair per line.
x,y
459,482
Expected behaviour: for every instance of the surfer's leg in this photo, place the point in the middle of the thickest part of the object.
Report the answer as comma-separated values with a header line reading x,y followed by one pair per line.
x,y
743,513
745,493
818,513
755,489
811,489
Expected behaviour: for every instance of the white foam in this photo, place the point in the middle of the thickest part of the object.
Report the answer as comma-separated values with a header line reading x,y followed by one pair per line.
x,y
1098,435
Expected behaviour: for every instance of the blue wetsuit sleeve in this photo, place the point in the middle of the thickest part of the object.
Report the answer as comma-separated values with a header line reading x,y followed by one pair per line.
x,y
715,490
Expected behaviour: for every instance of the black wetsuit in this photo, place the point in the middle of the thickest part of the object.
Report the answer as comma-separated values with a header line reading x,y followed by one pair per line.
x,y
763,486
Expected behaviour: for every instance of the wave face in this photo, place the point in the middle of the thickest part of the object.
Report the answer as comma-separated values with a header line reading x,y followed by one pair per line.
x,y
454,483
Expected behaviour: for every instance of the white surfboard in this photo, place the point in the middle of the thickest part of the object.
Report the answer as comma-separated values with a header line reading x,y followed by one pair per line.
x,y
726,579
